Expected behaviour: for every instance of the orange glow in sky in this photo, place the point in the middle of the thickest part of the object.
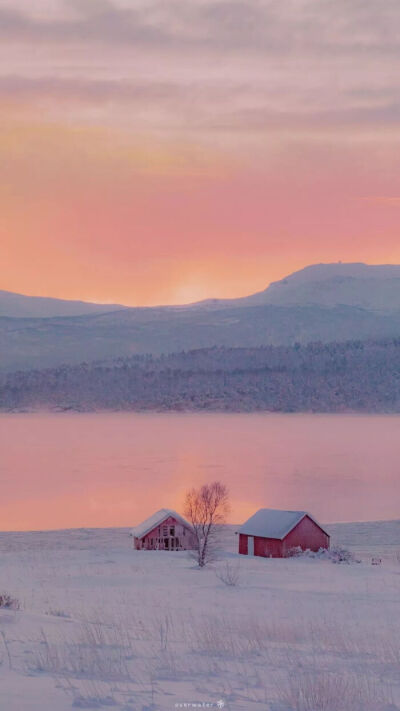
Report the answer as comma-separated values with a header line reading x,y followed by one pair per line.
x,y
146,161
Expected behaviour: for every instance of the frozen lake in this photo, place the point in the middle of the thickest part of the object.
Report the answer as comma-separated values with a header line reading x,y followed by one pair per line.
x,y
76,470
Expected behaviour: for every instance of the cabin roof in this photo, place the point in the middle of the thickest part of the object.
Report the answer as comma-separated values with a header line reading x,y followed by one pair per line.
x,y
155,520
274,523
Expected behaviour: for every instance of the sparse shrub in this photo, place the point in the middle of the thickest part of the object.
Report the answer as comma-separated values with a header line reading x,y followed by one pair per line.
x,y
336,554
58,613
295,552
229,573
8,602
376,561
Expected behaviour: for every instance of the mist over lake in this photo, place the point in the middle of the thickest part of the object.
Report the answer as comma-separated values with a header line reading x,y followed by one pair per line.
x,y
73,470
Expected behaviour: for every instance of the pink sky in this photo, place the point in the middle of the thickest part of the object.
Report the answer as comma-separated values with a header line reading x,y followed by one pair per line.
x,y
165,152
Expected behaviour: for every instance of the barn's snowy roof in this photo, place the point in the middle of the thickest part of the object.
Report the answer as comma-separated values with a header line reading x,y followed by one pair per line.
x,y
273,523
155,520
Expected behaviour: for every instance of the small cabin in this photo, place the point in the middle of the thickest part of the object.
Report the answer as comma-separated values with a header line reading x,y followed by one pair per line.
x,y
165,530
272,533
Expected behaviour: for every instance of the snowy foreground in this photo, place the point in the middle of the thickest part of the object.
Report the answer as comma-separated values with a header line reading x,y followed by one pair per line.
x,y
101,625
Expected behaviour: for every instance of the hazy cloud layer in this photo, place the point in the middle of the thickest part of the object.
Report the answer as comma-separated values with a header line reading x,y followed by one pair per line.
x,y
237,65
299,26
169,150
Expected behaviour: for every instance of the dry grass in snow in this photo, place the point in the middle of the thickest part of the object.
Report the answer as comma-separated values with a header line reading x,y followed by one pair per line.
x,y
101,625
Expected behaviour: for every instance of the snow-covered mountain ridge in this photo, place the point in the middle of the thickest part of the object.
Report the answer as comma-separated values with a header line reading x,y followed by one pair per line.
x,y
375,287
323,302
365,286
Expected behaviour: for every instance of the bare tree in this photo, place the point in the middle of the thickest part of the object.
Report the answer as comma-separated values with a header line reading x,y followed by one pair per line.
x,y
206,508
229,573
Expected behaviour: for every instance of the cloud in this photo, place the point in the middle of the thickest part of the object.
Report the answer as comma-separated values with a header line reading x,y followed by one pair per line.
x,y
204,106
107,24
295,27
14,87
207,66
262,119
138,131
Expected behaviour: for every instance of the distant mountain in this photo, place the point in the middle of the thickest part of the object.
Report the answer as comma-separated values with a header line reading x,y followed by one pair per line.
x,y
21,306
335,377
325,302
373,287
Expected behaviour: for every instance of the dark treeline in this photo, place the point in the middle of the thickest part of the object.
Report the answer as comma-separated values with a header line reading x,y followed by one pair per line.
x,y
336,377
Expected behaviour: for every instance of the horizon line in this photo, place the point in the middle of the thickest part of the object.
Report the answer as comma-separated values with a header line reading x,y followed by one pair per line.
x,y
95,302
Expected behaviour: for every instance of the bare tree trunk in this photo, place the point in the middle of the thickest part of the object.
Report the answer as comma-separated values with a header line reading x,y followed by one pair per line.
x,y
206,508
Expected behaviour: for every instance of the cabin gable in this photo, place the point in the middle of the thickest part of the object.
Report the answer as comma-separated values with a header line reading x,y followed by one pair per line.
x,y
307,535
169,534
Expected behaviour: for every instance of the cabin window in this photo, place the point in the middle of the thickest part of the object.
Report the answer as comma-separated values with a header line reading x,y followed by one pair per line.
x,y
165,530
172,531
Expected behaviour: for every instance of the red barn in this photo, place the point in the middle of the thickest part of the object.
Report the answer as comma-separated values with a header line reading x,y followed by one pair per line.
x,y
272,533
165,530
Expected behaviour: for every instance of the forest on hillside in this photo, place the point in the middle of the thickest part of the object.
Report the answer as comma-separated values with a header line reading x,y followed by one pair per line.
x,y
356,376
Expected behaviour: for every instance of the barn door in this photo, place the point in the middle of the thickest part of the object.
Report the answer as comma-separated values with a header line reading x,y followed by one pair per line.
x,y
250,545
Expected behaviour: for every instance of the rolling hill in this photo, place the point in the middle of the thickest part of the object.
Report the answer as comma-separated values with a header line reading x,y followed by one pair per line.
x,y
365,286
327,302
22,306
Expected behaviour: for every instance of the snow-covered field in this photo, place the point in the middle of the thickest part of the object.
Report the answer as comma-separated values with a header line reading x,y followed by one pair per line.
x,y
101,625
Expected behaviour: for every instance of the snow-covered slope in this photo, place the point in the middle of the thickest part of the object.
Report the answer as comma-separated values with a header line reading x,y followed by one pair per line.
x,y
22,306
42,343
104,626
375,287
324,302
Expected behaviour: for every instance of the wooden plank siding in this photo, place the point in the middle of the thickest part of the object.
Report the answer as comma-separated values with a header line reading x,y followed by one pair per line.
x,y
171,534
306,534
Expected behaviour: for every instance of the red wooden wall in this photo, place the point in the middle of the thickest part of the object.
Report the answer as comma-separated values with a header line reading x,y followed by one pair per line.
x,y
307,535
